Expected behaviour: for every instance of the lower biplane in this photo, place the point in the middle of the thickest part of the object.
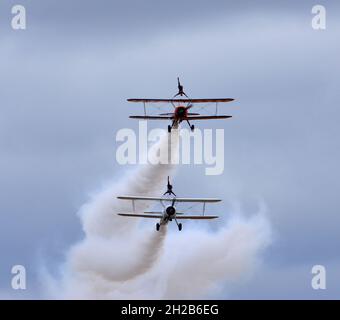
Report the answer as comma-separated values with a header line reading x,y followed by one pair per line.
x,y
169,211
181,109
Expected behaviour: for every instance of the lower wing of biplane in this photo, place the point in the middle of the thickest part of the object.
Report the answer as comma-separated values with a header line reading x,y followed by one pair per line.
x,y
169,212
160,215
181,110
183,119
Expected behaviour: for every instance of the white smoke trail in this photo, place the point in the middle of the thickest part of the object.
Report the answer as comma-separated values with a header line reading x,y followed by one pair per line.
x,y
98,215
119,259
207,262
108,252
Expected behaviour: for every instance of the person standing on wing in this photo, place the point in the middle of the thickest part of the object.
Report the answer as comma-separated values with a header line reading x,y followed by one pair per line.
x,y
180,90
169,189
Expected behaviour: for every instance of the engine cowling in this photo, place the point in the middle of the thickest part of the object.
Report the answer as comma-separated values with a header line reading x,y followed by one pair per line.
x,y
170,211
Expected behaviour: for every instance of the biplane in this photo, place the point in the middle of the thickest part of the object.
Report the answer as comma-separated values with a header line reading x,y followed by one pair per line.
x,y
169,211
181,109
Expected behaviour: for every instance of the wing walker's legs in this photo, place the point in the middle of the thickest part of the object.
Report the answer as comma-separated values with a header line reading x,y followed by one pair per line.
x,y
181,94
169,193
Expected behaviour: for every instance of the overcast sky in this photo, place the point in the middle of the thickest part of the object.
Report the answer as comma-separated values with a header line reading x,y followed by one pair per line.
x,y
64,82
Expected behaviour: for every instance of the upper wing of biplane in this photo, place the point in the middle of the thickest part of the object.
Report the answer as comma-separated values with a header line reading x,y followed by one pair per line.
x,y
207,200
181,100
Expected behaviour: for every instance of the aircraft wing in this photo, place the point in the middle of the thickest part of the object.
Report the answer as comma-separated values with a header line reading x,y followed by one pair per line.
x,y
158,212
140,215
181,100
196,217
206,117
211,200
169,199
171,114
152,117
159,216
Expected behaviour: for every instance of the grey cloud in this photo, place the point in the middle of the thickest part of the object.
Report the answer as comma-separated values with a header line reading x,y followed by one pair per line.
x,y
62,98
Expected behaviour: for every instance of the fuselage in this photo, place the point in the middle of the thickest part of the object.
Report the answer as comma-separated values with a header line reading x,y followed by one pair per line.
x,y
180,113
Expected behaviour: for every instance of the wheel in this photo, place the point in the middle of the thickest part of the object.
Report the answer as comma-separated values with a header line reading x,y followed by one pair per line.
x,y
192,128
157,226
179,226
169,128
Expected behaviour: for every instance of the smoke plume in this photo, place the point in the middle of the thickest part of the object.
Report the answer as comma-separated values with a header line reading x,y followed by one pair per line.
x,y
120,258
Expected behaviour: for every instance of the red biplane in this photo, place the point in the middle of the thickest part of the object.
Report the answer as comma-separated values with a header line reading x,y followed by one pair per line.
x,y
181,110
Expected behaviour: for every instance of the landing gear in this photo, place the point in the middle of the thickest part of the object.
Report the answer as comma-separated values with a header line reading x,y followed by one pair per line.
x,y
192,127
179,225
172,125
157,226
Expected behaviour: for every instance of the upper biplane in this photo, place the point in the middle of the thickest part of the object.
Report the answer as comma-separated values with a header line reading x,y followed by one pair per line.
x,y
181,109
169,212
